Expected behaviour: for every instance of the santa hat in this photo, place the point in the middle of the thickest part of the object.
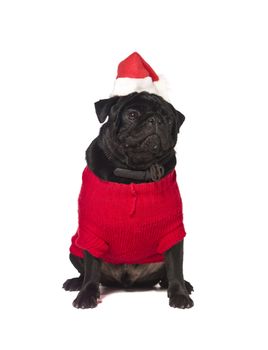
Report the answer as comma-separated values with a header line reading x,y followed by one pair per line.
x,y
135,74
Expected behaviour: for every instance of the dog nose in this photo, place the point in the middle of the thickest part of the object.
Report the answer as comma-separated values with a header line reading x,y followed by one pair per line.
x,y
153,120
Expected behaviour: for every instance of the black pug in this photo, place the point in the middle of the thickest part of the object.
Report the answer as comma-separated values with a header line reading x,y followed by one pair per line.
x,y
135,145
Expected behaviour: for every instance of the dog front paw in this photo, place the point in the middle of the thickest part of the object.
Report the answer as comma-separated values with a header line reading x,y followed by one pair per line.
x,y
179,297
87,297
73,284
181,301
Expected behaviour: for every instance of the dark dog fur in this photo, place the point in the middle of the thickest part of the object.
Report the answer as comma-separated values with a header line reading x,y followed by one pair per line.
x,y
141,132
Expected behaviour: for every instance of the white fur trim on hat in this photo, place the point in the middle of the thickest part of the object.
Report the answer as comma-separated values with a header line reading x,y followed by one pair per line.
x,y
125,86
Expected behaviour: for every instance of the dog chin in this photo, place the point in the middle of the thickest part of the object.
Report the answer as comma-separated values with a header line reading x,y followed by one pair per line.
x,y
141,160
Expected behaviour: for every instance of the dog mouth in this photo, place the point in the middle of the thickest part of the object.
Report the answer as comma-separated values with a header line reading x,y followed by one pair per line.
x,y
149,144
142,151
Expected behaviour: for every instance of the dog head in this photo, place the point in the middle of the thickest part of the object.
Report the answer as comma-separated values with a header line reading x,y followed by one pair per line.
x,y
141,129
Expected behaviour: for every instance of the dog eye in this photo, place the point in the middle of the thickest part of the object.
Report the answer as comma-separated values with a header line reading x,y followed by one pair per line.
x,y
133,114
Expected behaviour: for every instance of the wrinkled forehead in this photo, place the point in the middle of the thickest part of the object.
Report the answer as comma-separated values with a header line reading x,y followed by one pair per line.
x,y
144,105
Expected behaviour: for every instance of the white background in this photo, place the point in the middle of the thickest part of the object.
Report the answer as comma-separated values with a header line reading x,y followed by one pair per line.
x,y
57,59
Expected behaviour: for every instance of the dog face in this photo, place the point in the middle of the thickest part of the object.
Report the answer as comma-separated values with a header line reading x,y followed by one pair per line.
x,y
142,128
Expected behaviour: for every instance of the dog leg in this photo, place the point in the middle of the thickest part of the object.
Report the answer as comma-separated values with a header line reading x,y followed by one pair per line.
x,y
177,291
90,292
164,285
74,284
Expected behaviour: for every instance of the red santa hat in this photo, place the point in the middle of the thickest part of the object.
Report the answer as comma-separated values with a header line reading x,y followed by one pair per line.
x,y
135,74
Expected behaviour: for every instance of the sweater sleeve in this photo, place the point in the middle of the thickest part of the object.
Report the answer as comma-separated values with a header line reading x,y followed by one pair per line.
x,y
175,228
171,238
169,241
87,239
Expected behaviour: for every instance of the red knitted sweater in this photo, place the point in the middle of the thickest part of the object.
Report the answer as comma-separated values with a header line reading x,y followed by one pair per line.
x,y
128,223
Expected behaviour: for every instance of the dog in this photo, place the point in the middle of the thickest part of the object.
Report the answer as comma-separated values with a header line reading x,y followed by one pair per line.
x,y
135,147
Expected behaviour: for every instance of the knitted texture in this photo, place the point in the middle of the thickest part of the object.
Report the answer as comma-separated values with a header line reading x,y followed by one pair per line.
x,y
128,223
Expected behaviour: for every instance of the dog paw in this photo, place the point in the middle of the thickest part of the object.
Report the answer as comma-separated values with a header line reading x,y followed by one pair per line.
x,y
87,298
181,301
179,297
73,284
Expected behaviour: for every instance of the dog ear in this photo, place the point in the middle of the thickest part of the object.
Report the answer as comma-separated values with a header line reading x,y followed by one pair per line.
x,y
179,119
103,107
